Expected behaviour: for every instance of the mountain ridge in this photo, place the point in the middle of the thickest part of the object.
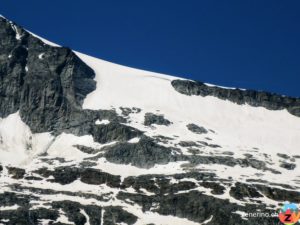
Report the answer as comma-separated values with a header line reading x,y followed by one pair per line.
x,y
88,142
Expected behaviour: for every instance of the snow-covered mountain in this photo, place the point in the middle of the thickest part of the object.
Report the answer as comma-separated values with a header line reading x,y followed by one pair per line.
x,y
84,141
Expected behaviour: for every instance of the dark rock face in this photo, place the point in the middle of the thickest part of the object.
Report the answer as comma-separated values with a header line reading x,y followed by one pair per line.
x,y
151,118
240,191
96,177
114,132
16,173
217,189
188,144
284,156
22,214
67,175
62,175
85,149
145,154
116,215
10,199
112,215
127,111
198,207
279,194
228,161
254,98
74,211
46,84
288,166
157,184
196,129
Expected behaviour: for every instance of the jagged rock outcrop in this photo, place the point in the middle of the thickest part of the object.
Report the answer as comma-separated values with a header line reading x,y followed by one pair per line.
x,y
96,177
254,98
114,132
145,154
151,118
196,129
45,84
16,173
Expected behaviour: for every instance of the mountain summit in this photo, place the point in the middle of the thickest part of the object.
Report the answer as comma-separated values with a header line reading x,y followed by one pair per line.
x,y
88,142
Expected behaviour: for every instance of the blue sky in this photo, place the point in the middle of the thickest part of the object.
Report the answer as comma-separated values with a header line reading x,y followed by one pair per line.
x,y
251,44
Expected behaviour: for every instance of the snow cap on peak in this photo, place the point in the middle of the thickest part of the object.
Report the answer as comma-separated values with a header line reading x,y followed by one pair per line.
x,y
3,17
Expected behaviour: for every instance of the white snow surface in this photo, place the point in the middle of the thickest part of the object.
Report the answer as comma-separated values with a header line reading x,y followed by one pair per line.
x,y
239,125
98,122
17,144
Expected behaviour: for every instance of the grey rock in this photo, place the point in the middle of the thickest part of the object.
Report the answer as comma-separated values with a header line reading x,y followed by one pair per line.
x,y
72,210
49,95
228,153
241,191
157,184
144,154
199,207
62,175
16,173
278,194
188,144
151,118
96,177
217,189
127,111
267,100
288,166
162,139
114,131
196,129
117,215
86,149
284,156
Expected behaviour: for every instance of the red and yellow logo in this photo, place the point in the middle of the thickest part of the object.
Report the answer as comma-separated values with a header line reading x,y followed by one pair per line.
x,y
289,214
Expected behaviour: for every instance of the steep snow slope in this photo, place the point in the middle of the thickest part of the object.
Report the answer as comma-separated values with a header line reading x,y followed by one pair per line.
x,y
18,145
120,86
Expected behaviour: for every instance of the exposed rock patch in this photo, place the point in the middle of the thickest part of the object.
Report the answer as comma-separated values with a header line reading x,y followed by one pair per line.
x,y
196,129
241,191
284,156
67,175
145,154
96,177
86,149
16,173
113,131
267,100
151,118
49,94
117,215
127,111
279,194
198,207
288,166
